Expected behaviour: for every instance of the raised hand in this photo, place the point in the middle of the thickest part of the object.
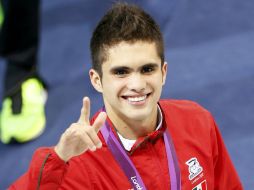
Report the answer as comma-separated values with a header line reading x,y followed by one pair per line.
x,y
81,136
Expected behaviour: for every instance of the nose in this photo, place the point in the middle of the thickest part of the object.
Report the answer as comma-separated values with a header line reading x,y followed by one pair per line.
x,y
136,82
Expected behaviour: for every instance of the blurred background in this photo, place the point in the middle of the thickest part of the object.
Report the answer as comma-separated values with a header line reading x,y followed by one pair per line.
x,y
209,50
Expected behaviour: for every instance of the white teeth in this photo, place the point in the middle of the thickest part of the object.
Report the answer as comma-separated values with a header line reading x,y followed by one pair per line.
x,y
136,99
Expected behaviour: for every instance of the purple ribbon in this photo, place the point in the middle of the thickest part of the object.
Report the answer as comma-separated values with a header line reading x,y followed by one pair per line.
x,y
128,167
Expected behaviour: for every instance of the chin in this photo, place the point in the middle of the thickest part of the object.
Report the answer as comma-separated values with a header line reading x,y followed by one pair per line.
x,y
137,116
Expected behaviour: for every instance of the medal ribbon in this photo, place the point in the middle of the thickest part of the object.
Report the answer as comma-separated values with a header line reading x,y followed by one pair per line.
x,y
128,167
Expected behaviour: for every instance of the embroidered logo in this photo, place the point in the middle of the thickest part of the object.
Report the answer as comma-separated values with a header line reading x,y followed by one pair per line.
x,y
201,186
194,168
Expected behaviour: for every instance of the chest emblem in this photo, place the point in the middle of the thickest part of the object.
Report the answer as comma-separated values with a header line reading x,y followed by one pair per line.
x,y
201,186
194,168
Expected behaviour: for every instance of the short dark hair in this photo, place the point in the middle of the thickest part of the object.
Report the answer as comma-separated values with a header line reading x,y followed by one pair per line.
x,y
123,22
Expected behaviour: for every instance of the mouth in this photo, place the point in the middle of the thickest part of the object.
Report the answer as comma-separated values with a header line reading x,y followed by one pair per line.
x,y
137,99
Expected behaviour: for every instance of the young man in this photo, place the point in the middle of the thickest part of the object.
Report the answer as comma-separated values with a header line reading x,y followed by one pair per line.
x,y
135,141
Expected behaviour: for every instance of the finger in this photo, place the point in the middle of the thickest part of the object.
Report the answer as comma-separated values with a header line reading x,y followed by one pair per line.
x,y
99,121
88,142
78,131
94,137
85,112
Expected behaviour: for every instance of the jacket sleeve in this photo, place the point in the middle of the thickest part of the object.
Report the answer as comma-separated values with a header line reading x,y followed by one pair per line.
x,y
225,175
45,172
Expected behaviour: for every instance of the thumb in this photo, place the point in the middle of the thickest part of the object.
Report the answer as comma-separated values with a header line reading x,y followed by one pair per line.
x,y
99,121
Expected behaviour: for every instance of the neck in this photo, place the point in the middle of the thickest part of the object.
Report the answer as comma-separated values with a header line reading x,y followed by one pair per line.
x,y
133,129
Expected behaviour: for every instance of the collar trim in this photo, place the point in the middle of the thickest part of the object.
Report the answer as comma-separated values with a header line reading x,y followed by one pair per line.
x,y
128,144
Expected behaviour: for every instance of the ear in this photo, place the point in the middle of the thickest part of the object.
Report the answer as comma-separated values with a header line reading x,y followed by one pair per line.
x,y
95,80
164,72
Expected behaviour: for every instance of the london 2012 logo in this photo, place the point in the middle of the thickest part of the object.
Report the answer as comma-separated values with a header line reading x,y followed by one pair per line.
x,y
194,168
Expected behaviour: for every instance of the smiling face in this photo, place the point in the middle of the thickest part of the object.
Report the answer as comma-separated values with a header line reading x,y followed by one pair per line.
x,y
131,83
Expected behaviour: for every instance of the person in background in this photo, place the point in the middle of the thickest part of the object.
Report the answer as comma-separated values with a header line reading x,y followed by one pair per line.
x,y
136,140
22,117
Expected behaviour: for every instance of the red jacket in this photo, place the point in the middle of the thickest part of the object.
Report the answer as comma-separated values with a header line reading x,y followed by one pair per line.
x,y
196,139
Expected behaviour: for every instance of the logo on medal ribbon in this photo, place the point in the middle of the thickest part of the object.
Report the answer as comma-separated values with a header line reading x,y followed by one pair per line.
x,y
194,168
135,182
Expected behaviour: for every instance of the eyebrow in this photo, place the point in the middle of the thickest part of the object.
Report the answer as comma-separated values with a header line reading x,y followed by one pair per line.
x,y
150,65
117,68
128,68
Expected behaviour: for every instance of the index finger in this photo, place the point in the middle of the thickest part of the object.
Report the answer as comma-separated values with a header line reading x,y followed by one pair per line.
x,y
85,112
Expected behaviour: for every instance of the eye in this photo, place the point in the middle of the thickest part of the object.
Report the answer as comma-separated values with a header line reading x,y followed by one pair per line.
x,y
120,72
148,69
